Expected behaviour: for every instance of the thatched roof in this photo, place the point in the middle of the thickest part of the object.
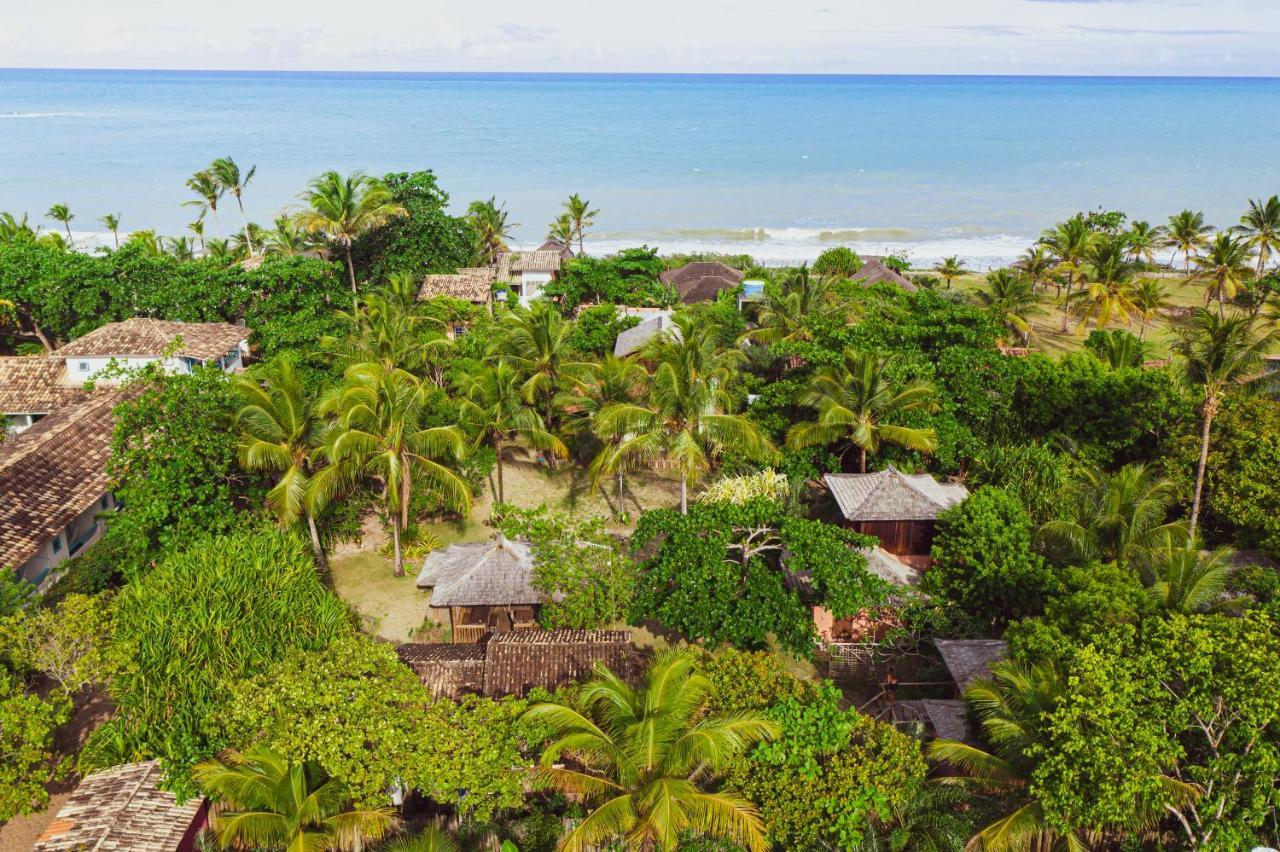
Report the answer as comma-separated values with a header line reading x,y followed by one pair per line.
x,y
875,272
536,261
969,659
142,337
51,473
122,809
447,670
633,339
36,385
947,718
469,287
701,281
492,573
890,495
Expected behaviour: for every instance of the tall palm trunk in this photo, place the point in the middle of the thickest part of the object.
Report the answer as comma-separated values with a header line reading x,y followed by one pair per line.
x,y
1210,411
497,449
684,493
316,547
395,538
351,267
862,459
248,241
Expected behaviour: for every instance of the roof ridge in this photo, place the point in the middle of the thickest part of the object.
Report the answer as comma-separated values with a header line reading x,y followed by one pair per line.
x,y
137,788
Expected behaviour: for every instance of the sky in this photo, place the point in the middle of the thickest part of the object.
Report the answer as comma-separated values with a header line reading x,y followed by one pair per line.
x,y
1141,37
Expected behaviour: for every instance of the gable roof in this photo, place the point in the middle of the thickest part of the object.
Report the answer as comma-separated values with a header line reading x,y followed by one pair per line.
x,y
51,473
468,286
701,281
637,336
890,495
498,572
143,337
969,659
875,272
121,808
531,261
36,385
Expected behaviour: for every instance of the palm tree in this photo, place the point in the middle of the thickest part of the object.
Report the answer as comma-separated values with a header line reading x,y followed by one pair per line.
x,y
1011,296
494,408
208,191
286,238
431,839
343,208
218,250
197,230
1226,265
11,227
280,431
180,248
561,230
1218,352
62,213
1149,297
111,222
489,220
148,241
1118,348
581,216
1142,240
1186,233
1036,263
1106,293
858,402
268,801
1012,705
802,296
229,177
1069,243
1184,579
379,432
1114,516
949,268
1261,227
642,759
614,380
535,340
686,415
390,328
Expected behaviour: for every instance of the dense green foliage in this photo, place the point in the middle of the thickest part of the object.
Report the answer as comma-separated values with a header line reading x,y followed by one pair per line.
x,y
27,758
426,239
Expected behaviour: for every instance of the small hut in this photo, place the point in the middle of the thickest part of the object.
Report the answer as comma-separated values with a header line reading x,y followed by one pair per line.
x,y
874,271
479,589
899,509
969,659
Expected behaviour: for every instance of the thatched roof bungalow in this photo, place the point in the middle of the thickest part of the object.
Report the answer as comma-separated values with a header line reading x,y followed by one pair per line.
x,y
899,509
874,271
483,588
701,281
970,659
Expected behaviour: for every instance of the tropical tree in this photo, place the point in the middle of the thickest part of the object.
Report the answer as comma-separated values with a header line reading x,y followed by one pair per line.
x,y
643,758
581,217
612,381
1116,517
1106,294
148,241
1148,296
859,402
1185,579
489,220
208,193
1036,263
11,227
111,222
266,800
179,247
62,213
197,230
1187,233
280,432
494,408
686,414
340,209
1011,296
390,328
1118,348
784,316
379,432
430,839
1142,240
561,230
229,177
949,268
1260,226
535,340
1219,353
1069,244
1225,265
287,237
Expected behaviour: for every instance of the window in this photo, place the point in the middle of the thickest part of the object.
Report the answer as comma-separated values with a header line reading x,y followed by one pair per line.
x,y
84,366
57,543
105,502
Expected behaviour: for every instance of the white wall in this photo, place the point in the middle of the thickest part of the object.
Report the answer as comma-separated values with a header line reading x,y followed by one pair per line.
x,y
71,541
532,284
80,370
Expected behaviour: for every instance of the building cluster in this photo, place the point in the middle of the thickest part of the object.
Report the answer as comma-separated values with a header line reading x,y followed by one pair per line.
x,y
58,415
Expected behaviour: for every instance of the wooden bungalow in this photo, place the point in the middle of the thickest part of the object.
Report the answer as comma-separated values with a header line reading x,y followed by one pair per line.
x,y
899,509
479,589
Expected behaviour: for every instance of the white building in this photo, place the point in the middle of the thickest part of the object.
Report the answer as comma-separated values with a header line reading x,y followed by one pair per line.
x,y
180,347
527,273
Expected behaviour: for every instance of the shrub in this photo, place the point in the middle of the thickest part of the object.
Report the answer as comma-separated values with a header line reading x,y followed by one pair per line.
x,y
841,262
27,726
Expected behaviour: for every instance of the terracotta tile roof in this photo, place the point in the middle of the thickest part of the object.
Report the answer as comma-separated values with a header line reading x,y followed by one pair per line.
x,y
36,385
891,495
492,573
51,473
701,281
121,808
464,285
144,337
875,272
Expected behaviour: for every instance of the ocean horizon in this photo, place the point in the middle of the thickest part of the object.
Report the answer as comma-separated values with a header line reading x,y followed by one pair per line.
x,y
779,166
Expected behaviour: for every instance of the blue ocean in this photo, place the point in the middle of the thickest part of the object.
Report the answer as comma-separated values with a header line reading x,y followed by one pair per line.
x,y
778,166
